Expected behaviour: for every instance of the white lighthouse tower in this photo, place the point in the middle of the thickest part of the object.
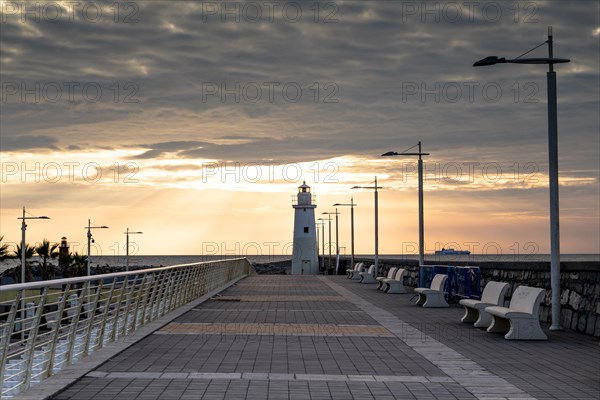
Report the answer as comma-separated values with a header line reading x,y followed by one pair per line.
x,y
304,256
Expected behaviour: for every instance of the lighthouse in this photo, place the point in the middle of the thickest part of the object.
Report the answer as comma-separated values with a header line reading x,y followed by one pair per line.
x,y
304,255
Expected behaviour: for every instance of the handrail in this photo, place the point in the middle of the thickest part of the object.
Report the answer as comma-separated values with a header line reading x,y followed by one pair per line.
x,y
48,325
79,279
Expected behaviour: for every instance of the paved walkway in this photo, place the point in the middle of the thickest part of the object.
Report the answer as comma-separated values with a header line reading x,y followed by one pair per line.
x,y
284,337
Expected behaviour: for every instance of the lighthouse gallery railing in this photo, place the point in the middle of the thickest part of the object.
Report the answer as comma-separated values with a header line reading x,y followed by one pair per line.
x,y
45,326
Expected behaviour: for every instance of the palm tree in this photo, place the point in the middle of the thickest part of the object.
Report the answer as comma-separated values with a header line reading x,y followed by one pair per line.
x,y
3,249
74,265
29,252
46,250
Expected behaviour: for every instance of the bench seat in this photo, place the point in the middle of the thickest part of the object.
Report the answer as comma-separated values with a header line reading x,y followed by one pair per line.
x,y
354,273
390,275
368,276
433,297
493,295
521,319
396,285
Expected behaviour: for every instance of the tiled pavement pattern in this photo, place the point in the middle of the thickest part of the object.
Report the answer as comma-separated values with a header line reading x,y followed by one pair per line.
x,y
431,355
275,329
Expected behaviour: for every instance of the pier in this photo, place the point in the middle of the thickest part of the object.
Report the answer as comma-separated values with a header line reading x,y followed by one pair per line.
x,y
325,337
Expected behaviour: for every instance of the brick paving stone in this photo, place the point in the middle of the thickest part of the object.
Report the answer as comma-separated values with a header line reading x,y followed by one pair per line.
x,y
431,355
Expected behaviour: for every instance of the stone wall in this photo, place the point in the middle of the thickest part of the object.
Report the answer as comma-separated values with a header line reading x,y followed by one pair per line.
x,y
580,286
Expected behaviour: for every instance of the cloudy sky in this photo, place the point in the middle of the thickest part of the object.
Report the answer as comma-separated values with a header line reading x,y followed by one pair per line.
x,y
194,122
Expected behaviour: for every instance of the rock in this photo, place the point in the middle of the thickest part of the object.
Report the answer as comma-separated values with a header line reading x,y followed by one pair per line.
x,y
565,297
592,321
574,300
582,322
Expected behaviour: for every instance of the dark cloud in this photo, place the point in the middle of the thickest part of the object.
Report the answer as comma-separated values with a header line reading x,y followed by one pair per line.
x,y
180,64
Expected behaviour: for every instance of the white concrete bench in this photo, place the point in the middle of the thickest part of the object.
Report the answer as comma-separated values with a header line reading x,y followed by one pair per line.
x,y
368,276
493,295
354,273
521,319
396,285
390,275
434,295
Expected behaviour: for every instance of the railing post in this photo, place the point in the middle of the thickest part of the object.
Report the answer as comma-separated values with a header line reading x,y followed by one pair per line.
x,y
141,291
129,296
189,285
91,316
7,333
114,333
75,322
105,315
32,337
151,300
146,296
56,330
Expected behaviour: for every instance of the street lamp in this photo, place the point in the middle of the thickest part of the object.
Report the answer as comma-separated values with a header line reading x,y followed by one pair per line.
x,y
337,241
552,165
421,223
375,187
322,225
127,233
351,205
89,243
23,229
329,243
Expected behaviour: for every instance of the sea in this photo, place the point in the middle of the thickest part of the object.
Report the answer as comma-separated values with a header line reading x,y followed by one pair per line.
x,y
168,260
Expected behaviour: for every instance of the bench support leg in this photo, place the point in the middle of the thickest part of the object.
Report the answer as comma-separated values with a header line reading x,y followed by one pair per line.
x,y
421,300
471,315
435,300
499,325
484,320
525,329
393,287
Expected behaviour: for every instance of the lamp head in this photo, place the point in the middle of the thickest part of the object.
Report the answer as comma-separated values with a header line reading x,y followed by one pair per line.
x,y
491,60
390,153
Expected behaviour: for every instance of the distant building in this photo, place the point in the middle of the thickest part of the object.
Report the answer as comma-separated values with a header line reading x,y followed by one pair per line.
x,y
304,256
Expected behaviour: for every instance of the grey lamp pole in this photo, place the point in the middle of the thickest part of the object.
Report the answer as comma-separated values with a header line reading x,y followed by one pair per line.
x,y
89,243
552,164
421,218
337,242
322,224
23,229
127,233
328,245
351,205
376,221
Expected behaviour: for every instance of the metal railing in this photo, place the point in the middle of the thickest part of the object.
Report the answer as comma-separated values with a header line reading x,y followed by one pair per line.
x,y
47,325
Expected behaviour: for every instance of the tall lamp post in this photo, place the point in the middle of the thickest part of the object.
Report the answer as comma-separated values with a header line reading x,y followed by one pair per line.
x,y
127,233
337,241
351,205
23,229
322,225
328,244
552,165
89,243
375,187
420,169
